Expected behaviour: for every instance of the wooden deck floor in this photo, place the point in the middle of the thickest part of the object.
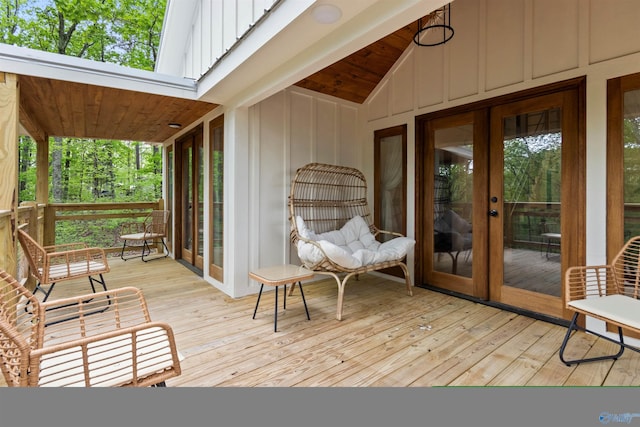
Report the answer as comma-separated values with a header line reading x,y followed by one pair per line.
x,y
386,338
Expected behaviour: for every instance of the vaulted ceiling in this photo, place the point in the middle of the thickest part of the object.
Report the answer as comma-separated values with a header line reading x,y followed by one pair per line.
x,y
353,78
69,109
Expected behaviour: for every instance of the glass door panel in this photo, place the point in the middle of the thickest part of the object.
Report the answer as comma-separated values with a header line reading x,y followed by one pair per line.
x,y
454,234
187,202
190,195
525,213
198,202
531,190
453,200
631,138
216,181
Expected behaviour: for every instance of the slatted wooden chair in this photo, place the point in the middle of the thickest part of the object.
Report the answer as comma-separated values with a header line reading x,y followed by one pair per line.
x,y
142,235
333,230
120,346
59,263
610,293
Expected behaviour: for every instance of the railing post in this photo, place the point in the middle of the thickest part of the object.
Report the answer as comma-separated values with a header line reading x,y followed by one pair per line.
x,y
32,221
49,234
9,94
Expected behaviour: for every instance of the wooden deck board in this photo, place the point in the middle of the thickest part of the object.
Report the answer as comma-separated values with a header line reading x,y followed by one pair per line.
x,y
386,338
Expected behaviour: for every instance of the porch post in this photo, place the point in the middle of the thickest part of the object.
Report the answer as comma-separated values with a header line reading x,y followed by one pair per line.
x,y
42,170
9,96
236,205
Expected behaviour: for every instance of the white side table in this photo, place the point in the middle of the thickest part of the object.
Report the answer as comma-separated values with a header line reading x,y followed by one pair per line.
x,y
281,275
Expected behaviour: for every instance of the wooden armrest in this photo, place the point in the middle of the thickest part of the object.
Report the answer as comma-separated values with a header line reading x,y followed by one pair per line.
x,y
118,309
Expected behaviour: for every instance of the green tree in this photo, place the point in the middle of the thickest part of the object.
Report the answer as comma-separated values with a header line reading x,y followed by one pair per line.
x,y
124,32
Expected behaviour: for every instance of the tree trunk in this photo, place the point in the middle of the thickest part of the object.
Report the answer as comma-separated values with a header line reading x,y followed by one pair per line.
x,y
56,169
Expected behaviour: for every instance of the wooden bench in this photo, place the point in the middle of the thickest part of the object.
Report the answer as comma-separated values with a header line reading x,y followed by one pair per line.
x,y
609,293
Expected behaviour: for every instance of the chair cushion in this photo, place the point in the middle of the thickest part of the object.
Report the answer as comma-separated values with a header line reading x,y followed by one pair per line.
x,y
351,247
141,236
75,269
619,308
109,361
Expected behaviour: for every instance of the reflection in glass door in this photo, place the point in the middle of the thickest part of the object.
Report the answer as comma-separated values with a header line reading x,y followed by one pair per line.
x,y
190,195
501,196
453,200
631,153
454,234
531,190
525,210
187,205
216,195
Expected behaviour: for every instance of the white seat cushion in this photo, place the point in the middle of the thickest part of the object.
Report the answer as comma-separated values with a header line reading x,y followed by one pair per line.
x,y
109,361
353,246
63,271
619,308
141,236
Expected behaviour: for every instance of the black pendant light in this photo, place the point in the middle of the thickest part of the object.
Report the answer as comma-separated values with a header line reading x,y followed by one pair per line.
x,y
438,20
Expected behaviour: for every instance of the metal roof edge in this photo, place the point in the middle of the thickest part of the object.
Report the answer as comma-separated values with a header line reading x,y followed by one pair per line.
x,y
21,60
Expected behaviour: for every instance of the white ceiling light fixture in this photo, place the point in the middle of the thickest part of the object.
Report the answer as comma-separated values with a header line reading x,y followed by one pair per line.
x,y
326,13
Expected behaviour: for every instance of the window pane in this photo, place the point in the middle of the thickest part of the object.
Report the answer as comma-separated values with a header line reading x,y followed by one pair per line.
x,y
631,135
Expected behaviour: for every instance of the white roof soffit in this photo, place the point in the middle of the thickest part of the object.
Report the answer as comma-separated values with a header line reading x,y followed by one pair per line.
x,y
30,62
297,46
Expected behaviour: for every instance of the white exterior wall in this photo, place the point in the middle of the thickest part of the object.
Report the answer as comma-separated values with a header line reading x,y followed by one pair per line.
x,y
217,26
504,46
288,130
264,145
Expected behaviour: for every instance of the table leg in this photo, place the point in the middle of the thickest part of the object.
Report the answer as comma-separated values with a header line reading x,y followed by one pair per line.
x,y
275,314
258,302
303,300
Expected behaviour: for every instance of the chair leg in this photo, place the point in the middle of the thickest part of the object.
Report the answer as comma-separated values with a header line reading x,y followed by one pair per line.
x,y
124,246
92,281
573,327
46,292
148,248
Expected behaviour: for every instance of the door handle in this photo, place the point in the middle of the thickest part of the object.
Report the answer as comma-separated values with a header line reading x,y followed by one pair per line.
x,y
493,212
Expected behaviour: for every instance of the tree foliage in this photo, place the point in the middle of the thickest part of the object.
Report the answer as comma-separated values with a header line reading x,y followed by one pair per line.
x,y
124,32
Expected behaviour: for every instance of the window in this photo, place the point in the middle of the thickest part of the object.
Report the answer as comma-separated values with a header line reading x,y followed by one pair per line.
x,y
390,179
216,168
623,158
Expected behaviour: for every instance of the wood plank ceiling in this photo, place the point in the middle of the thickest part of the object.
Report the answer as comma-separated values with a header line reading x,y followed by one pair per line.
x,y
67,109
353,78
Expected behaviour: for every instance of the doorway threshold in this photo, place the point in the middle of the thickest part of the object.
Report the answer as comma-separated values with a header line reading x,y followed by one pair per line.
x,y
501,306
191,267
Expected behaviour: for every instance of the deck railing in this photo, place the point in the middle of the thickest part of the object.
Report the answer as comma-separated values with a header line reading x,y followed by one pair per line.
x,y
97,224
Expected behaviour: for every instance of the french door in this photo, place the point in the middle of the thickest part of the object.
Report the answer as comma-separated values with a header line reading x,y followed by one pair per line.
x,y
190,199
501,202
